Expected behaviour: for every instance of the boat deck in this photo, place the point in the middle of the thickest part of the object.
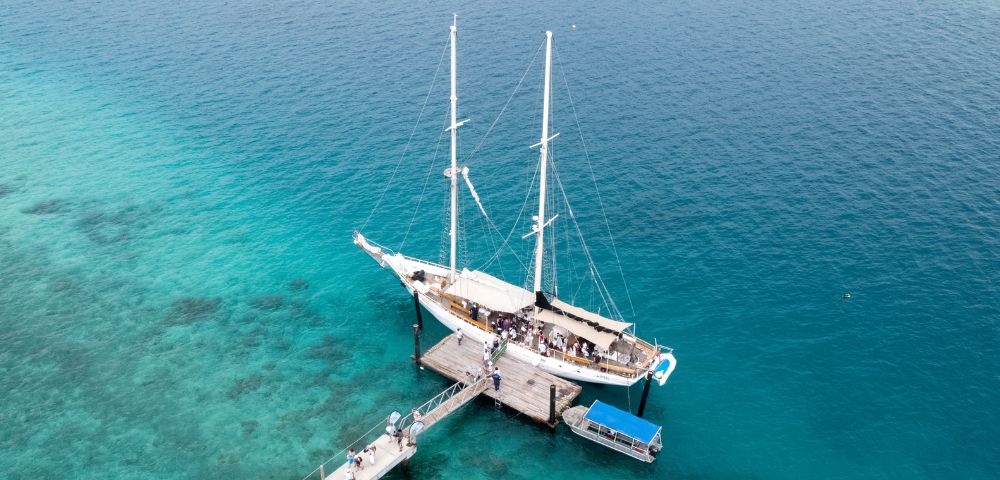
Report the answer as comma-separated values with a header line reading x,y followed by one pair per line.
x,y
523,387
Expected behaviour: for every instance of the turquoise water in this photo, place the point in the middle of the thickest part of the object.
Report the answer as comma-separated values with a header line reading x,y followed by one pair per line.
x,y
179,296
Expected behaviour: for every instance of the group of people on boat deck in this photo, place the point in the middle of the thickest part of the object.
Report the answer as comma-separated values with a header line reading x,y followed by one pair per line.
x,y
517,329
577,348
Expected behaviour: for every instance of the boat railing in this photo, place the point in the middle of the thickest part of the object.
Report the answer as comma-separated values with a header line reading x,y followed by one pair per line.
x,y
453,305
367,438
392,251
499,353
402,425
428,406
618,441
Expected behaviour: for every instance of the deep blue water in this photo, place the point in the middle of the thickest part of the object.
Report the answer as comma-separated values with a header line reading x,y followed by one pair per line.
x,y
168,170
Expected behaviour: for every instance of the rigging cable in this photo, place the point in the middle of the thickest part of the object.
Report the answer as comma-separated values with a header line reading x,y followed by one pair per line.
x,y
504,109
427,178
410,139
593,176
506,240
602,288
482,141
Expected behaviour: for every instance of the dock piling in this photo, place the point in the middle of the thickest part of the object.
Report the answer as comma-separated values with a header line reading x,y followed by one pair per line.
x,y
322,474
645,393
416,305
552,406
416,342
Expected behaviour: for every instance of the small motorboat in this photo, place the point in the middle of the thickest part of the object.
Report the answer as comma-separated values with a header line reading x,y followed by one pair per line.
x,y
616,429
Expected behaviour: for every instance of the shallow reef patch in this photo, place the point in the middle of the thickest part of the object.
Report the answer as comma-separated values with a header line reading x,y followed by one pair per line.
x,y
298,285
249,426
243,386
189,309
107,227
46,207
267,302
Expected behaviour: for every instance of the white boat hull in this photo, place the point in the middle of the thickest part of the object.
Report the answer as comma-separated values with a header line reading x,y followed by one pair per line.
x,y
401,266
551,365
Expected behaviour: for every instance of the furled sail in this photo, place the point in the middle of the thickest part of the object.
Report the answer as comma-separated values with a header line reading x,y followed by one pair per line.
x,y
490,292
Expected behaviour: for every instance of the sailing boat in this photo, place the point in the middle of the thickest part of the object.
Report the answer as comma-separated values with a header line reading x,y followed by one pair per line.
x,y
554,335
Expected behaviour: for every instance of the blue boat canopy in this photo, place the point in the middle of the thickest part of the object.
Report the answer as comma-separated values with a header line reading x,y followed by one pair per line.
x,y
622,422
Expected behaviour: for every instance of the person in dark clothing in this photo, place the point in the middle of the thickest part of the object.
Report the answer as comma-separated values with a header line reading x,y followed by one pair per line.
x,y
496,379
474,312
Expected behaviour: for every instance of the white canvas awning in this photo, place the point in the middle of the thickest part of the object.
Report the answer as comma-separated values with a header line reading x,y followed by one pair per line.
x,y
490,292
593,317
578,328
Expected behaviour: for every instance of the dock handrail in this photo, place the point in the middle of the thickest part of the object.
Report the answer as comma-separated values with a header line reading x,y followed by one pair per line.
x,y
500,351
405,422
377,426
430,405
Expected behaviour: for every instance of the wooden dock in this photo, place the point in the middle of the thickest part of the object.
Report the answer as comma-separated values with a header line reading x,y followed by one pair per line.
x,y
523,387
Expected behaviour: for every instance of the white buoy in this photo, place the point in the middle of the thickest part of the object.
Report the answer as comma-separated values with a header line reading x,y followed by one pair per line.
x,y
574,26
847,296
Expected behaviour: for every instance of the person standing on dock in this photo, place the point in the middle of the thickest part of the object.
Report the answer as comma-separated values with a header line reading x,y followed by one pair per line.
x,y
496,379
350,459
459,335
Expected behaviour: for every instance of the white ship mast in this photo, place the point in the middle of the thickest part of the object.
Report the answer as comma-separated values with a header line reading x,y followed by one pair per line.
x,y
454,149
543,160
625,358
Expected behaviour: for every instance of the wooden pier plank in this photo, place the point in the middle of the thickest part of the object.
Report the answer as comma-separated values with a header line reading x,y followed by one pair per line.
x,y
523,386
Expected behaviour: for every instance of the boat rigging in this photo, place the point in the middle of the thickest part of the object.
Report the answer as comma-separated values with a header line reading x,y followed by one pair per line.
x,y
549,332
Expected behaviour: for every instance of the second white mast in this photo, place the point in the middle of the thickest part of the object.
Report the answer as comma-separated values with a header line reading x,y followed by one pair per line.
x,y
454,150
543,161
